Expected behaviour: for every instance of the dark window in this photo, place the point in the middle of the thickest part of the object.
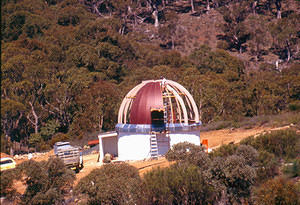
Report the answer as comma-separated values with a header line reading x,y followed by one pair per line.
x,y
157,120
6,161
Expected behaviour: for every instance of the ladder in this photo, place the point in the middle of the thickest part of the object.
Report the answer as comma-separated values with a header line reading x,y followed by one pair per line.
x,y
153,146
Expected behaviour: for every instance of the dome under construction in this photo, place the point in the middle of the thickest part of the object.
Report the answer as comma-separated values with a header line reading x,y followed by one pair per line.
x,y
162,99
154,116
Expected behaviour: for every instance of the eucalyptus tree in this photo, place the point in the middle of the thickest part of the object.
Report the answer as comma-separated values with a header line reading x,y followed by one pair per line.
x,y
285,36
235,33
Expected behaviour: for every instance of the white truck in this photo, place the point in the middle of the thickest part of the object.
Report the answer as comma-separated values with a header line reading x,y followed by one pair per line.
x,y
71,156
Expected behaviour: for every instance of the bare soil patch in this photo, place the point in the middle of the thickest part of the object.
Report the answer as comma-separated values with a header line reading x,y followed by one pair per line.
x,y
217,138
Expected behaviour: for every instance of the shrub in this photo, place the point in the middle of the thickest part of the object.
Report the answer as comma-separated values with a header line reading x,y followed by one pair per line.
x,y
59,137
178,184
281,143
224,151
295,106
277,191
188,153
235,175
267,166
180,151
111,184
293,170
248,153
6,183
47,182
223,45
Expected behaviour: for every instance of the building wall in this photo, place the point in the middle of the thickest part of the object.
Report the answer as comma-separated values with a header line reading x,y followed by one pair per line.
x,y
133,146
190,136
136,146
163,143
110,145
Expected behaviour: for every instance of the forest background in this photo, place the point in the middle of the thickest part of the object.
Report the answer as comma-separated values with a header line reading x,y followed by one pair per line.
x,y
67,64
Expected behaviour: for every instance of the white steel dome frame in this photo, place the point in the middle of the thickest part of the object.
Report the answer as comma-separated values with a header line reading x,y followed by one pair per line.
x,y
186,107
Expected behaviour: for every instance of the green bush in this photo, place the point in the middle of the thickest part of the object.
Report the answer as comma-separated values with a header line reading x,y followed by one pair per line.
x,y
180,151
188,153
281,143
293,170
248,153
111,184
295,106
47,182
6,183
178,184
235,175
267,166
224,151
277,191
59,137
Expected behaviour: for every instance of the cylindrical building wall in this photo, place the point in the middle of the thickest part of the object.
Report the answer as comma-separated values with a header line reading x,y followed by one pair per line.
x,y
133,146
136,146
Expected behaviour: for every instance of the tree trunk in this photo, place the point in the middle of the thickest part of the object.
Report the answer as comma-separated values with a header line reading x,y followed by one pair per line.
x,y
35,122
207,5
173,42
192,6
100,123
257,52
278,14
254,4
278,7
288,49
288,54
200,105
96,10
155,14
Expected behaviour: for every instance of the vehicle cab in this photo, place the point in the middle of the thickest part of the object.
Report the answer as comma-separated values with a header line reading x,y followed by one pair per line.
x,y
7,163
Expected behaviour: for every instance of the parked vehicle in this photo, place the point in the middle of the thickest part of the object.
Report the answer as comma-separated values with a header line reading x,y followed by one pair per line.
x,y
70,155
7,163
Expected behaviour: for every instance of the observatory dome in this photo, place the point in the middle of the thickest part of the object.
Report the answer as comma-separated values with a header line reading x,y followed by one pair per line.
x,y
158,101
153,116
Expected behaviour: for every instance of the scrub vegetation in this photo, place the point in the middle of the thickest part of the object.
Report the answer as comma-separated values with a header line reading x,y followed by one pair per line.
x,y
232,174
47,182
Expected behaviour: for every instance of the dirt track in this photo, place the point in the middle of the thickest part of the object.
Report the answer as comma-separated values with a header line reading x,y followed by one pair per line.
x,y
217,138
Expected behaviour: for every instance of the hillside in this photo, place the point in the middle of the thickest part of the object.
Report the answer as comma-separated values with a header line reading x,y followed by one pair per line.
x,y
62,60
66,66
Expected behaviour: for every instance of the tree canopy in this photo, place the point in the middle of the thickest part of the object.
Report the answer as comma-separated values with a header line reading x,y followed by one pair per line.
x,y
67,64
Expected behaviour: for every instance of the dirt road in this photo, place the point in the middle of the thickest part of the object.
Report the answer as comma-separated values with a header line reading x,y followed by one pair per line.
x,y
217,138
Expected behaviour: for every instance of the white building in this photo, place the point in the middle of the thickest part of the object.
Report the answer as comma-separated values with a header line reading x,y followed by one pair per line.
x,y
153,116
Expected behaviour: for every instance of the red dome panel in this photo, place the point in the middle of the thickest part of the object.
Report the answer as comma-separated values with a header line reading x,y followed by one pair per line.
x,y
149,96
